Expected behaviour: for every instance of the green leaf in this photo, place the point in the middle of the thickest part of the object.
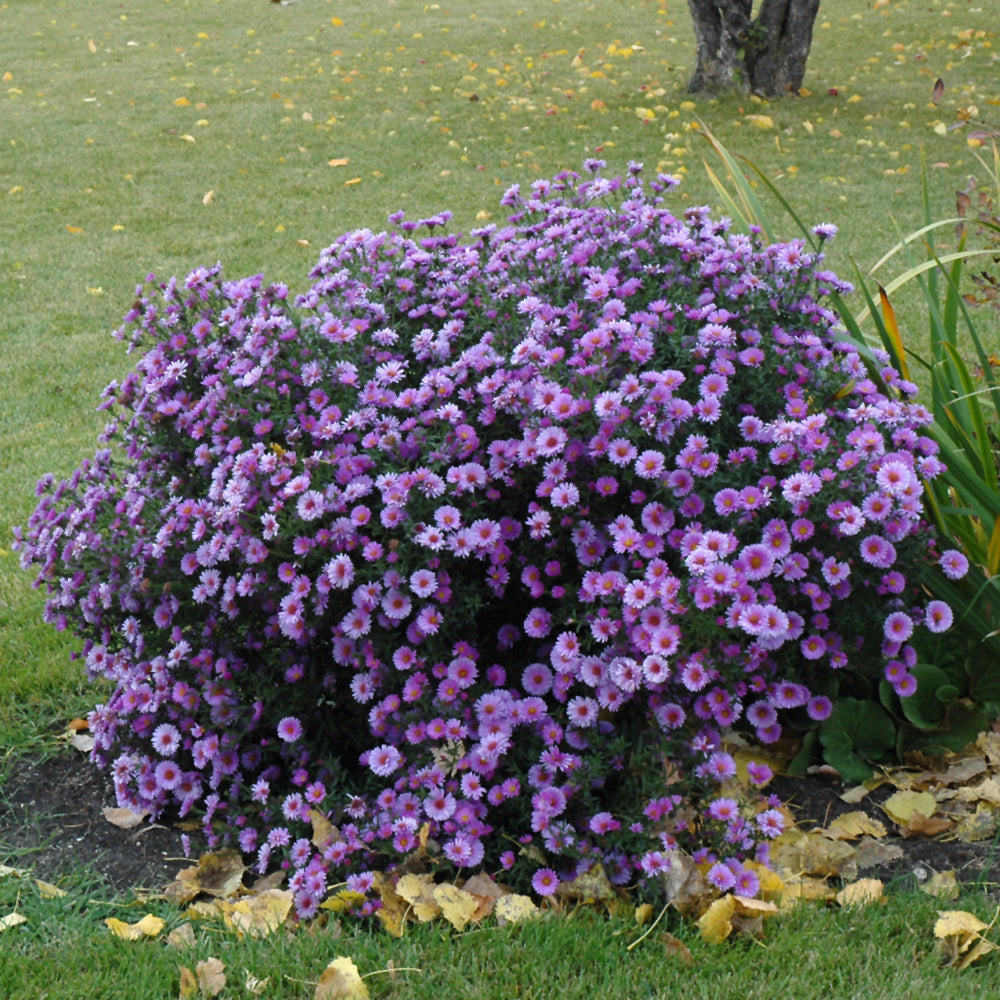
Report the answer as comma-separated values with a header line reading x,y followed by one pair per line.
x,y
856,733
923,708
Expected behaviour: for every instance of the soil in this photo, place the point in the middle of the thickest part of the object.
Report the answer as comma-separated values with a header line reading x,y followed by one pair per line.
x,y
52,822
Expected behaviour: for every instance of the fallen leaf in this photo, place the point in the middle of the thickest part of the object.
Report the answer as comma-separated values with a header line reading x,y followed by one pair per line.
x,y
457,905
960,941
685,886
676,949
419,892
981,825
513,908
12,920
930,826
394,909
951,922
716,923
218,875
860,893
150,926
323,831
852,825
254,985
260,914
181,937
643,912
593,886
486,892
799,853
49,891
124,819
343,900
211,978
944,885
900,806
5,871
341,979
207,197
339,161
854,795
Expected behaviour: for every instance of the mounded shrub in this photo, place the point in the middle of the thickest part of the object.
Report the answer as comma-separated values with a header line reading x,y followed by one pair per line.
x,y
491,541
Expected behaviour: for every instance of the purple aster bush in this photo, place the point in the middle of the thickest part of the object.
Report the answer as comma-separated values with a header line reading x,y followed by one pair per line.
x,y
493,541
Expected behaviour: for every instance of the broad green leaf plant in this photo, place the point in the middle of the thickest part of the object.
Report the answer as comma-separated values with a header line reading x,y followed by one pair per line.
x,y
959,674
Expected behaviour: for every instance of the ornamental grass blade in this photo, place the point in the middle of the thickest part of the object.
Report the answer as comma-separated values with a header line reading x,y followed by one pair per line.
x,y
892,332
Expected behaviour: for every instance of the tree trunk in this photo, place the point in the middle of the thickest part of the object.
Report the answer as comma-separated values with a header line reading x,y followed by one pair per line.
x,y
765,55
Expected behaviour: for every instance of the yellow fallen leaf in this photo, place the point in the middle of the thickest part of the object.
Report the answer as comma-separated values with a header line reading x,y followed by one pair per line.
x,y
91,45
980,948
642,913
981,825
323,831
49,891
860,893
944,885
353,180
341,979
394,909
12,920
182,102
952,922
513,908
716,923
150,926
900,806
418,891
343,900
259,915
593,886
6,870
852,825
761,121
207,197
340,161
457,905
75,230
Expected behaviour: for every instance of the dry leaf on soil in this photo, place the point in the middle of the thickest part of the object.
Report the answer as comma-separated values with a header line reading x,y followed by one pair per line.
x,y
124,819
944,885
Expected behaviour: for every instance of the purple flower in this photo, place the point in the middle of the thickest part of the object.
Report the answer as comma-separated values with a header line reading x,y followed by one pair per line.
x,y
290,729
545,882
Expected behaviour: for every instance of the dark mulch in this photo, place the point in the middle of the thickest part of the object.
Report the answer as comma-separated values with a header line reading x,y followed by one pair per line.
x,y
815,800
51,822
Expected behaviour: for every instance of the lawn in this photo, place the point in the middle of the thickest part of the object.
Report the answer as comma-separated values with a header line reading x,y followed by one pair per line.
x,y
157,135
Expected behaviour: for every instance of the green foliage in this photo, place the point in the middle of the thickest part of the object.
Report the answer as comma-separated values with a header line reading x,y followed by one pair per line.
x,y
856,733
958,677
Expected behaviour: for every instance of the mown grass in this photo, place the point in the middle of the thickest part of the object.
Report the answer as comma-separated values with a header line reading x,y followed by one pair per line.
x,y
65,952
158,135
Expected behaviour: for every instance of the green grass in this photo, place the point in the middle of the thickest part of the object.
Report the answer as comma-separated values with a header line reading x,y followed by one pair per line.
x,y
158,135
65,951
